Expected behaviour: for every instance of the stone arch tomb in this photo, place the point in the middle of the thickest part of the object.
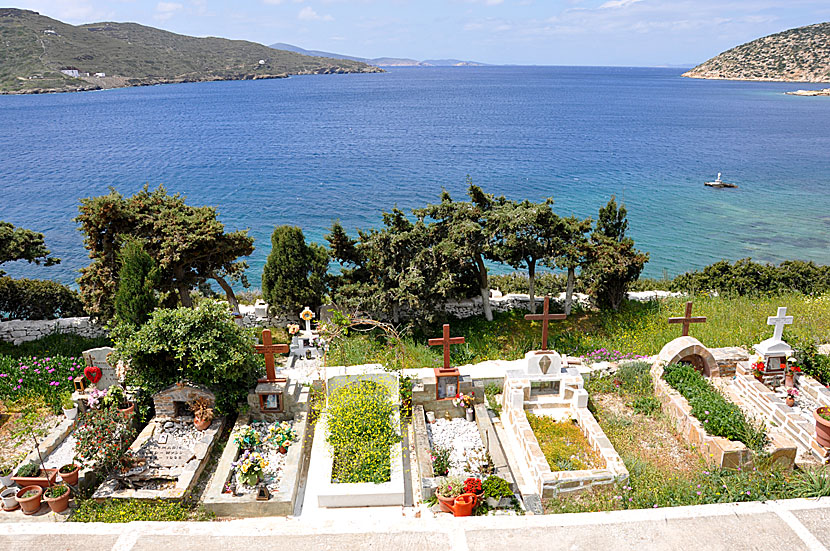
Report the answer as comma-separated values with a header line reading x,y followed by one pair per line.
x,y
689,350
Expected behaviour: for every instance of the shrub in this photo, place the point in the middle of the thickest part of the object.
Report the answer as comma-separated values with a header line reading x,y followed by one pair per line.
x,y
102,437
441,460
361,432
138,278
38,299
294,275
496,487
746,277
202,345
719,416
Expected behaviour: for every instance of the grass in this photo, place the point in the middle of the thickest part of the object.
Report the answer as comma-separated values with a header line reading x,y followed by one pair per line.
x,y
565,446
637,329
56,344
127,510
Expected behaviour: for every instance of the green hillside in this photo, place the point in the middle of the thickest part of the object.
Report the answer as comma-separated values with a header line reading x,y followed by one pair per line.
x,y
34,49
795,55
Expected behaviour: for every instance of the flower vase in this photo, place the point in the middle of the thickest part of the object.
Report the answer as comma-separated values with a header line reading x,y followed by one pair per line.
x,y
789,381
471,415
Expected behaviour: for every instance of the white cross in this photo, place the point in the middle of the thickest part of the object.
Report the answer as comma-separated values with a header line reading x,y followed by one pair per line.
x,y
779,322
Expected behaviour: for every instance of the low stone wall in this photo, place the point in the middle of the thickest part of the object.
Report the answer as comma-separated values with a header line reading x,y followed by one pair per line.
x,y
725,453
18,331
794,426
728,359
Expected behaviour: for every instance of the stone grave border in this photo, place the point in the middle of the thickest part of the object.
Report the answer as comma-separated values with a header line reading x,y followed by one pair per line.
x,y
722,452
794,426
281,503
549,483
423,452
185,481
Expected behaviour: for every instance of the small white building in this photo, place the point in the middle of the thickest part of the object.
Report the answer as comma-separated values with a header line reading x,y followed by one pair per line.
x,y
71,72
262,62
100,75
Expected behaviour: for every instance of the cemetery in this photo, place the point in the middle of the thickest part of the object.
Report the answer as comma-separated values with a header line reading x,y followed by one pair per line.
x,y
545,432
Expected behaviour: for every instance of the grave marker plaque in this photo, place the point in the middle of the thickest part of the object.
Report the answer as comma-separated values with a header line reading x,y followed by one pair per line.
x,y
97,357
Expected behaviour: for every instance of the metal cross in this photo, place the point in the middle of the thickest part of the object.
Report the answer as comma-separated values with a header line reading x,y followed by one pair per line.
x,y
779,322
545,317
446,341
268,349
687,320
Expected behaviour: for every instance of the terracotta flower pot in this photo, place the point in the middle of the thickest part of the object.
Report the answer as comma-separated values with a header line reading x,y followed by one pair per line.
x,y
789,380
71,477
41,481
464,505
58,504
30,505
822,427
283,449
202,424
129,410
446,503
790,401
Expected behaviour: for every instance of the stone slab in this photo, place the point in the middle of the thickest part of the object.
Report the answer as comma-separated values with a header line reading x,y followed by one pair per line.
x,y
400,541
732,533
817,521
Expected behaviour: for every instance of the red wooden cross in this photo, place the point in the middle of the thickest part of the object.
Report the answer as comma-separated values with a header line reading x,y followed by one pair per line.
x,y
446,341
268,349
545,318
687,320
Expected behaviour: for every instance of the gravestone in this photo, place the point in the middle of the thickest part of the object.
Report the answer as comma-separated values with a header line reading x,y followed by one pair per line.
x,y
774,350
97,357
544,361
306,344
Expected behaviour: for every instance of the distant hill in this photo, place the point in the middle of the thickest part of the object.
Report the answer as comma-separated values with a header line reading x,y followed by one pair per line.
x,y
34,49
380,61
796,55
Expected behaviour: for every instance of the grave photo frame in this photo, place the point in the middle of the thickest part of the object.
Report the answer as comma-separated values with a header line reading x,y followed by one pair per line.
x,y
272,402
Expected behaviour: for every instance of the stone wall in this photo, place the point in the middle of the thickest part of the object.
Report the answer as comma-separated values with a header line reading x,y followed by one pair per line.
x,y
18,331
165,401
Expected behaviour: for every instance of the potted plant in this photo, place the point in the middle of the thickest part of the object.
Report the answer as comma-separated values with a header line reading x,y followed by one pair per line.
x,y
792,393
472,485
497,492
440,460
57,497
116,397
70,408
9,497
69,473
448,489
202,413
822,417
32,475
28,498
789,375
758,370
250,467
6,475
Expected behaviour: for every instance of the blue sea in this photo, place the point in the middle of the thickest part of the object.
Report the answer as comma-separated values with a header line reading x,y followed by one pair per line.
x,y
309,150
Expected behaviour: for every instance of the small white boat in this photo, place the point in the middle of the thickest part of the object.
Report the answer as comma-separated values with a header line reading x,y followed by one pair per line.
x,y
720,183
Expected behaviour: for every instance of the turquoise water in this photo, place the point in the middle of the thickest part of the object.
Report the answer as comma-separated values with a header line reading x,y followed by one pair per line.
x,y
309,150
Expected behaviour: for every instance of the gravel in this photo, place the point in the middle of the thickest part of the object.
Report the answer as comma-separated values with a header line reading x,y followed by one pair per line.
x,y
462,437
63,454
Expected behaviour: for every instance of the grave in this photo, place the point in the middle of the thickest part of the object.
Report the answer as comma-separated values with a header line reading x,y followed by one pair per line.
x,y
170,451
774,351
719,370
306,344
555,390
275,399
98,374
321,491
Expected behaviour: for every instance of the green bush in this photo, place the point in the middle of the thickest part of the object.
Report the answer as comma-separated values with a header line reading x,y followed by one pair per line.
x,y
38,299
719,416
103,435
361,432
138,278
202,345
813,364
496,487
746,277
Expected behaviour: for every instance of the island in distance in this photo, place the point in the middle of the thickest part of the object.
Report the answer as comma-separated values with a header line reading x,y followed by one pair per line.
x,y
47,55
381,61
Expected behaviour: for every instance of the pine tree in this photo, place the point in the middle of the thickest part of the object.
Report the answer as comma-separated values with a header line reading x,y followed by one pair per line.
x,y
138,279
295,272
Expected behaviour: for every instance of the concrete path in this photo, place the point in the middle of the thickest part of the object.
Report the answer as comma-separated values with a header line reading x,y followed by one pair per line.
x,y
792,525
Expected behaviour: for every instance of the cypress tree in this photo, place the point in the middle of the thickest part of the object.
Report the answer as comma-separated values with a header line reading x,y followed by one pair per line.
x,y
295,272
138,278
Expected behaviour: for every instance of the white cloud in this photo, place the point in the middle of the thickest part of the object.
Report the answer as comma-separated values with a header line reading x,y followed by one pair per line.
x,y
618,4
166,10
308,14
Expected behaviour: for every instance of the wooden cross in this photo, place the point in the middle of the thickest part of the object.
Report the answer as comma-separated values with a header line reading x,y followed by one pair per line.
x,y
268,349
446,341
545,318
779,322
687,320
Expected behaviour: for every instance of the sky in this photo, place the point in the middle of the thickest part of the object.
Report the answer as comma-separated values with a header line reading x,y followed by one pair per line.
x,y
525,32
